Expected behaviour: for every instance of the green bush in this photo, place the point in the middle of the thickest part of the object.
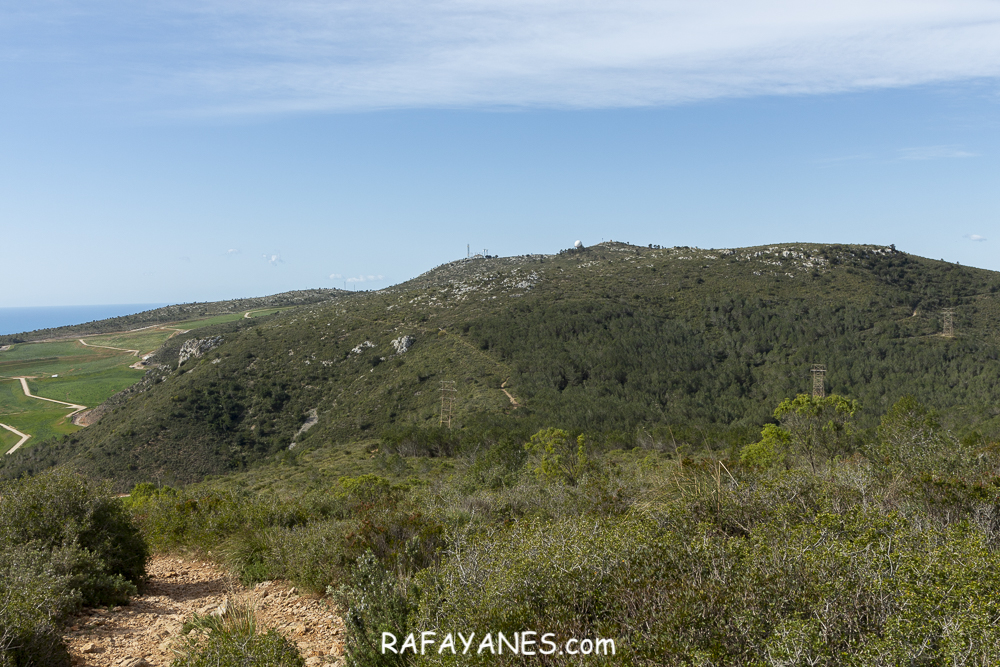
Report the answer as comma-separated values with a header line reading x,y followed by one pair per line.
x,y
64,542
36,593
375,601
63,513
232,640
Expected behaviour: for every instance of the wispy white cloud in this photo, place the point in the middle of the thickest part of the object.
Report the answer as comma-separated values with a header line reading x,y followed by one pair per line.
x,y
253,56
829,161
232,251
273,259
975,237
933,153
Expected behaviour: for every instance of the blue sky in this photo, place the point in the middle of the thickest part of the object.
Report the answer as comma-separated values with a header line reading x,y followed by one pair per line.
x,y
198,151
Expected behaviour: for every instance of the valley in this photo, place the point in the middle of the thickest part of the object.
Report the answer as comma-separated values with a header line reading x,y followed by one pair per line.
x,y
79,374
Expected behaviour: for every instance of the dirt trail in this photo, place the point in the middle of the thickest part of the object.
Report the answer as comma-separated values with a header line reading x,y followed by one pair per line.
x,y
137,365
148,627
27,392
108,347
24,437
513,401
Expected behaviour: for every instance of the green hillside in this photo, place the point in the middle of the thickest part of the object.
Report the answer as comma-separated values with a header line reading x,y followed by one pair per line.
x,y
186,312
619,341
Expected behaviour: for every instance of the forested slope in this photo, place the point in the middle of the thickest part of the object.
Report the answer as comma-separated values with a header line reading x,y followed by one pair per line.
x,y
615,340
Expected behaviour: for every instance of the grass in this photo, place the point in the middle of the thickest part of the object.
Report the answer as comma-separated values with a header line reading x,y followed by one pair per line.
x,y
7,440
144,341
13,401
90,389
40,419
60,358
86,376
222,319
41,424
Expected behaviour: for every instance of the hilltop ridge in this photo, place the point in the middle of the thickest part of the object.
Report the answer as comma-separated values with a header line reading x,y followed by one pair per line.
x,y
174,313
613,339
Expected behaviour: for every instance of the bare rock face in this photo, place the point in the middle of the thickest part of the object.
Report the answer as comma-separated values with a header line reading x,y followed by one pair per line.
x,y
403,343
196,347
362,347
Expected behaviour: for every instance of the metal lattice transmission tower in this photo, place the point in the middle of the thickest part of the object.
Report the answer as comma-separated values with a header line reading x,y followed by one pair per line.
x,y
819,380
448,393
948,327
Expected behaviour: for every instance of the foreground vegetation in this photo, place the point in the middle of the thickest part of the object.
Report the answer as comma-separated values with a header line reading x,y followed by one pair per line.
x,y
629,458
64,543
842,546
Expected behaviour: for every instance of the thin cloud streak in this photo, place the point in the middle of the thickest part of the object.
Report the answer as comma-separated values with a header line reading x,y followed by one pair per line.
x,y
934,153
227,57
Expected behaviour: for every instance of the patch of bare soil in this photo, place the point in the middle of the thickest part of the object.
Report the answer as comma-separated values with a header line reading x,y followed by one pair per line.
x,y
143,633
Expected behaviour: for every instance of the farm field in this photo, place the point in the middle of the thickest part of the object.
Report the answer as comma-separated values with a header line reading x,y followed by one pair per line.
x,y
70,371
7,440
40,419
59,358
85,373
145,341
88,389
229,317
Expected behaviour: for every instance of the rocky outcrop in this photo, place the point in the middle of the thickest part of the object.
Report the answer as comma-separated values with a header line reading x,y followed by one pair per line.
x,y
403,343
362,347
196,347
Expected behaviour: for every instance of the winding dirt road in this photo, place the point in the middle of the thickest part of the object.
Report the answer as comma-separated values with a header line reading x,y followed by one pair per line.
x,y
137,365
108,347
27,392
24,437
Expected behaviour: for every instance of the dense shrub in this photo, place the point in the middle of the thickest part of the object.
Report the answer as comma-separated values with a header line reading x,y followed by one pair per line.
x,y
63,542
35,594
86,524
884,555
375,601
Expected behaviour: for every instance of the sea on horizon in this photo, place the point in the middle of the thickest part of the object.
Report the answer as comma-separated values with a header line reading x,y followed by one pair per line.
x,y
32,318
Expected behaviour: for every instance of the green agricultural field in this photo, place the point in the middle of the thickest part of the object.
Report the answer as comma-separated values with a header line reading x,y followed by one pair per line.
x,y
32,351
62,358
7,440
40,419
13,401
86,375
42,424
90,389
230,317
145,341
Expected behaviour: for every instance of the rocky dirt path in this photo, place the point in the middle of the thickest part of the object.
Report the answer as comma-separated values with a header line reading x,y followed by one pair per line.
x,y
142,633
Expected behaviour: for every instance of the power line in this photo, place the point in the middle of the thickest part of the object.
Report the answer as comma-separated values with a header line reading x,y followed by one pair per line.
x,y
819,380
448,393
